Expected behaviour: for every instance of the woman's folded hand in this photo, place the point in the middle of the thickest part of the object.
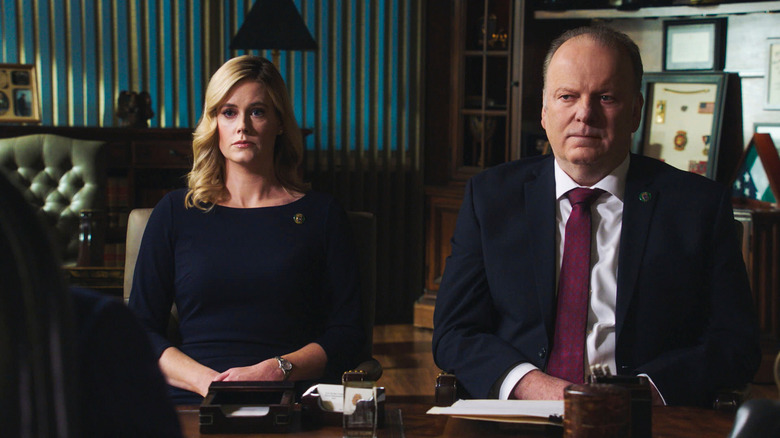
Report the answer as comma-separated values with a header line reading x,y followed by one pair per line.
x,y
267,370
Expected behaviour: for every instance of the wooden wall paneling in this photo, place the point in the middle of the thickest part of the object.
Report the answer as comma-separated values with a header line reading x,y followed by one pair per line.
x,y
442,207
761,250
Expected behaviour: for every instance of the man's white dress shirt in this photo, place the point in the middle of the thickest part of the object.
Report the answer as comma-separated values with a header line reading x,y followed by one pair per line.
x,y
606,224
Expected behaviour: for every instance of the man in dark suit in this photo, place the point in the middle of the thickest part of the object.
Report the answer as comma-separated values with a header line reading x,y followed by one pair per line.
x,y
664,293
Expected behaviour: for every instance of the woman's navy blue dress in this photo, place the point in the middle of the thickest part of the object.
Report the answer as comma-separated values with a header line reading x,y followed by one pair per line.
x,y
250,283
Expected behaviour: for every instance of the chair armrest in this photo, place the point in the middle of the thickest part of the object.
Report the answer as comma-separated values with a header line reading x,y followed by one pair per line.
x,y
369,370
730,399
446,391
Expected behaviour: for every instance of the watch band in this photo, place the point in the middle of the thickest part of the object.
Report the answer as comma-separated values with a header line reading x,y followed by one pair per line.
x,y
285,365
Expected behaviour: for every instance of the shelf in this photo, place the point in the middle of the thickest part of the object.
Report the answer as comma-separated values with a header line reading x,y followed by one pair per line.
x,y
490,111
656,12
501,53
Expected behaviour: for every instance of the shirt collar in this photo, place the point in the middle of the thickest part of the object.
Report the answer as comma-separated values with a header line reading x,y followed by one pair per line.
x,y
614,183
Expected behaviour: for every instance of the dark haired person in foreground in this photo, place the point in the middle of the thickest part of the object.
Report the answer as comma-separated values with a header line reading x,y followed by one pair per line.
x,y
593,255
72,363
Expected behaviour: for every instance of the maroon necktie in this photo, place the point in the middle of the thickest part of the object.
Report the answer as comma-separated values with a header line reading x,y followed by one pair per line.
x,y
567,356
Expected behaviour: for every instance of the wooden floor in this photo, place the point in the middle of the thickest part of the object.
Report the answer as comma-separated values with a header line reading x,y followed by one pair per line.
x,y
405,354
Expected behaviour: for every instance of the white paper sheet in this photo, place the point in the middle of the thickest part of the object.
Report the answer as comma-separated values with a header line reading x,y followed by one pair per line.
x,y
245,411
331,396
503,410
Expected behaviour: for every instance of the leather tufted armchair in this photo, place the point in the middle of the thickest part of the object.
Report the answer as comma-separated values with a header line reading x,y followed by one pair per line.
x,y
60,177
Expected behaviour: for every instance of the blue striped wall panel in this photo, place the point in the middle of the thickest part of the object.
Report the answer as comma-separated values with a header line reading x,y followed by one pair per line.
x,y
354,92
106,64
195,63
45,63
91,68
76,70
168,84
8,33
60,61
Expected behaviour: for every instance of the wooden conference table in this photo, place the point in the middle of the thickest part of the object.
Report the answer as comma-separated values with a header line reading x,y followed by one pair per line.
x,y
406,417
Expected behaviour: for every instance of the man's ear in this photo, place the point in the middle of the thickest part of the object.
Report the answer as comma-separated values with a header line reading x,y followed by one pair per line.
x,y
544,114
636,112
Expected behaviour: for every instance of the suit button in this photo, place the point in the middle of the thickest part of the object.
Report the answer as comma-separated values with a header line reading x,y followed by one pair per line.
x,y
542,353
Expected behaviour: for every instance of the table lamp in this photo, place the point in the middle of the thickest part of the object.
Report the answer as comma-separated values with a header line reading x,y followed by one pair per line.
x,y
274,25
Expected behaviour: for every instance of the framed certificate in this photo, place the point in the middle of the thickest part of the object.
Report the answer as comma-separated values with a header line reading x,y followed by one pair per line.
x,y
694,44
773,75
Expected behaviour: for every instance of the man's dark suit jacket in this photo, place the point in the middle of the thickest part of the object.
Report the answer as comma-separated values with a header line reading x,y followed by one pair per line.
x,y
684,313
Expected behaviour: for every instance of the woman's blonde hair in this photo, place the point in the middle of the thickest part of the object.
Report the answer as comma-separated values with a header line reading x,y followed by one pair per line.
x,y
206,181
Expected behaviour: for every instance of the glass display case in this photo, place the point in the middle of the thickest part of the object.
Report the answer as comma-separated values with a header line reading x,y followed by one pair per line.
x,y
483,85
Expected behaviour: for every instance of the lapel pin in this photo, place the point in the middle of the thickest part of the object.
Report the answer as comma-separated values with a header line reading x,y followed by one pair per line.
x,y
299,218
645,196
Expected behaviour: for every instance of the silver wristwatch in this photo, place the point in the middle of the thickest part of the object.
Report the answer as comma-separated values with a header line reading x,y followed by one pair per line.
x,y
285,365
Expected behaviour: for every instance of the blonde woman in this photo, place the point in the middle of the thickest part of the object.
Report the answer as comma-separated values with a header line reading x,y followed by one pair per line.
x,y
263,272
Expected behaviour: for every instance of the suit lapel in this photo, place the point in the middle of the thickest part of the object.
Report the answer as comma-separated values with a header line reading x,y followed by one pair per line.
x,y
540,210
639,204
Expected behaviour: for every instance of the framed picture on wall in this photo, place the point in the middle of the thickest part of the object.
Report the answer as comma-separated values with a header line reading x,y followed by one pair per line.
x,y
773,76
19,101
773,129
681,120
694,44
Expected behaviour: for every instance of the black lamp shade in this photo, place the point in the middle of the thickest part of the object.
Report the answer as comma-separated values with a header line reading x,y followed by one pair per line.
x,y
273,24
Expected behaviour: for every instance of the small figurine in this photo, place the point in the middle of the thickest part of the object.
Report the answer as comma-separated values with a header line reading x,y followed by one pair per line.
x,y
134,109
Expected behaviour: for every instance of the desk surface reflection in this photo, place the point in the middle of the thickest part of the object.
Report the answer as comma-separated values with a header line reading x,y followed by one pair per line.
x,y
406,417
